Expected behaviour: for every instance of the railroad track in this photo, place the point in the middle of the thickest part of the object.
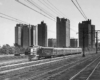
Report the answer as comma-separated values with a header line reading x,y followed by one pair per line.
x,y
52,73
16,61
87,71
13,69
46,75
95,74
38,70
27,63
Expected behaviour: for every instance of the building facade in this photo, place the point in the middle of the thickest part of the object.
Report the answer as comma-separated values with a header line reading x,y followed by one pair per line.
x,y
34,35
25,35
51,42
42,34
93,36
26,41
18,34
73,43
86,34
63,32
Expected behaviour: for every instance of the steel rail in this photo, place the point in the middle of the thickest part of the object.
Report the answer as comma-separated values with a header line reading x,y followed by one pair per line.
x,y
93,71
32,65
59,68
83,69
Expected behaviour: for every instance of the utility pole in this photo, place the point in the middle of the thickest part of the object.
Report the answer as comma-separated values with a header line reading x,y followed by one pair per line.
x,y
96,42
83,48
83,55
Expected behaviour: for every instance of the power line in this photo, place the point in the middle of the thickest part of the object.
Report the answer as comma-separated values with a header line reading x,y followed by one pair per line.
x,y
8,19
78,9
50,7
54,7
81,9
19,21
12,18
37,6
38,12
55,10
34,10
40,8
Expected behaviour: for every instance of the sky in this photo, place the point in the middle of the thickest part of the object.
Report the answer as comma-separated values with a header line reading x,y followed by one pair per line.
x,y
14,9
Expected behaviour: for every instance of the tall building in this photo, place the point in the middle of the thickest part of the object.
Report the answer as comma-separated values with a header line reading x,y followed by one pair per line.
x,y
18,34
34,35
25,35
93,36
51,42
86,34
63,32
42,34
73,43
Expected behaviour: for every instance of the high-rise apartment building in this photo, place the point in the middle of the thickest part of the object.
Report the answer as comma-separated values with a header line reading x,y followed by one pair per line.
x,y
86,34
26,41
25,35
42,34
34,35
18,34
63,32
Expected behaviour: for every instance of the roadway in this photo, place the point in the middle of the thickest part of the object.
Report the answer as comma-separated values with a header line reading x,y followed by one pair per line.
x,y
61,68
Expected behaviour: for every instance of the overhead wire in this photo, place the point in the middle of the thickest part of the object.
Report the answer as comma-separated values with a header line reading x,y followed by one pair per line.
x,y
11,18
36,5
40,8
78,9
5,16
50,8
37,11
8,19
17,21
56,9
34,10
81,9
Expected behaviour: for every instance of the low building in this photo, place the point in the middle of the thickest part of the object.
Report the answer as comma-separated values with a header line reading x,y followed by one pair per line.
x,y
52,42
73,42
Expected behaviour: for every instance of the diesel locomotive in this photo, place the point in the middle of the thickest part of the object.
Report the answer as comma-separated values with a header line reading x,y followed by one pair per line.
x,y
47,52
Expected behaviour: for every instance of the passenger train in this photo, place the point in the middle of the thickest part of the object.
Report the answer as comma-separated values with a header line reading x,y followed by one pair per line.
x,y
47,52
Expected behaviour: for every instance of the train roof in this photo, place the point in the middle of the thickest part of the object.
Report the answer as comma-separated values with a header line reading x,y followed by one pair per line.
x,y
58,48
67,48
48,47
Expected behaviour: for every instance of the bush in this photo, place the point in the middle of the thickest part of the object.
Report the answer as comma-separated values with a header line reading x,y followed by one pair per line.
x,y
6,49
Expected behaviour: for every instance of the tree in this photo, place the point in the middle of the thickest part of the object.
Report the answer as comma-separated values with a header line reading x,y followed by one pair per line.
x,y
6,49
